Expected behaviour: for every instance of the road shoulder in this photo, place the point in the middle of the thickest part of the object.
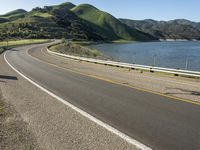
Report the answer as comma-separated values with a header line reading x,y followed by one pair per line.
x,y
14,131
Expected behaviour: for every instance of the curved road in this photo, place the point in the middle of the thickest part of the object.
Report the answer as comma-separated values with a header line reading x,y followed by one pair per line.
x,y
157,121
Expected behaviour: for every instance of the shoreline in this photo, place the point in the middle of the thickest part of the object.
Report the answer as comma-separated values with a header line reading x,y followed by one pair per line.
x,y
88,43
105,57
178,40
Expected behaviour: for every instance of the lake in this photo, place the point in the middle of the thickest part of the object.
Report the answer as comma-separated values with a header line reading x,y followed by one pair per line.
x,y
183,55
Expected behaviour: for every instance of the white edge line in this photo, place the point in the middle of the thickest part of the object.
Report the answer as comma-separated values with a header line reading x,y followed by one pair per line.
x,y
85,114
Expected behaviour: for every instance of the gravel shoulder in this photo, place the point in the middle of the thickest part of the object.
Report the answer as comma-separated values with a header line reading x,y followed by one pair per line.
x,y
14,131
54,125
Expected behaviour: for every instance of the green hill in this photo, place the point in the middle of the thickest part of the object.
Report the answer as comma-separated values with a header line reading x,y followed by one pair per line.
x,y
66,5
83,22
15,12
49,22
107,25
13,15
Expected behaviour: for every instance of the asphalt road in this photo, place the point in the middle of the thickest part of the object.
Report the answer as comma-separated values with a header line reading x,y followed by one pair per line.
x,y
159,122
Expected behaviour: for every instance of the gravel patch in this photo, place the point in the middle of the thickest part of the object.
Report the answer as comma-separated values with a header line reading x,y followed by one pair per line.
x,y
14,133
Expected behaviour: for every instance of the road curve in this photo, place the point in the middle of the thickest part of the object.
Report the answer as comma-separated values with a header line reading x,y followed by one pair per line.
x,y
157,121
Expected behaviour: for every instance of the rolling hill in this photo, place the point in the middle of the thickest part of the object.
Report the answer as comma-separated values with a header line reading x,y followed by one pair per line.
x,y
48,22
66,5
13,15
107,25
174,29
82,22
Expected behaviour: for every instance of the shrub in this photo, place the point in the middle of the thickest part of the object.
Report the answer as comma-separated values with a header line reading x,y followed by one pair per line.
x,y
63,41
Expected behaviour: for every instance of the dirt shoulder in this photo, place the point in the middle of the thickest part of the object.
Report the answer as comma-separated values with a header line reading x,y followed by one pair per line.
x,y
14,133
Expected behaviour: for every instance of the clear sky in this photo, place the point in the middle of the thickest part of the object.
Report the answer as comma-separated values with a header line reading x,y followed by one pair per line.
x,y
133,9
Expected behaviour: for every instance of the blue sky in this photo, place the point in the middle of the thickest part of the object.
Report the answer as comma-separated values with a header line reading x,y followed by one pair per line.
x,y
133,9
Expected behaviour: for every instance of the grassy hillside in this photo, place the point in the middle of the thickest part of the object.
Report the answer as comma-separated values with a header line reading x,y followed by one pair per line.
x,y
66,5
107,25
80,23
49,22
13,43
13,15
76,50
22,42
15,12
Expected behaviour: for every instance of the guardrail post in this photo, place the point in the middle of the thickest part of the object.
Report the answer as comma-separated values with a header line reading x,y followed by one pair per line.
x,y
186,63
134,58
154,60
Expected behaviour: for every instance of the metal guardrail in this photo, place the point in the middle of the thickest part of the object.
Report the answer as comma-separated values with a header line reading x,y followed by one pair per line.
x,y
132,66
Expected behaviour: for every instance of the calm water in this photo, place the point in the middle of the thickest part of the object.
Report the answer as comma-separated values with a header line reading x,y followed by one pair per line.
x,y
162,54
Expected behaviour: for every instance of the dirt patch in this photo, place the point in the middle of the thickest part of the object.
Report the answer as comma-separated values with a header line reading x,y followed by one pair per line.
x,y
14,133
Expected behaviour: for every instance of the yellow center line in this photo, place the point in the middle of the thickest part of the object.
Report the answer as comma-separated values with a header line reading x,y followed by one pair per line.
x,y
118,83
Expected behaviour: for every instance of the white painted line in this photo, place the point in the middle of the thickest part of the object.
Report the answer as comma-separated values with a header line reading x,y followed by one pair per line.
x,y
85,114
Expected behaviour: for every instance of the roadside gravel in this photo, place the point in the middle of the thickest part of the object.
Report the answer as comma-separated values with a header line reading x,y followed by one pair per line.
x,y
14,132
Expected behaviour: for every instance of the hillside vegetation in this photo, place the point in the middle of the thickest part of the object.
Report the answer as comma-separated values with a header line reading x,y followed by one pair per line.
x,y
22,42
107,25
74,49
4,45
80,23
13,15
49,22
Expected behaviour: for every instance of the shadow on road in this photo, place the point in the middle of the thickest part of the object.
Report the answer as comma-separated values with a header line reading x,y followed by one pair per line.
x,y
7,77
183,92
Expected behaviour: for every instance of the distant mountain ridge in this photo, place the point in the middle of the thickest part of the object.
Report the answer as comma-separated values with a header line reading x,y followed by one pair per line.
x,y
82,22
174,29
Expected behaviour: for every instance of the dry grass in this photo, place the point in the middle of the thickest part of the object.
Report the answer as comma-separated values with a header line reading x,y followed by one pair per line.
x,y
76,50
22,42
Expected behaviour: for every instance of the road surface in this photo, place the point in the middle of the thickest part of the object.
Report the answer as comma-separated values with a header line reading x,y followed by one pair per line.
x,y
159,122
